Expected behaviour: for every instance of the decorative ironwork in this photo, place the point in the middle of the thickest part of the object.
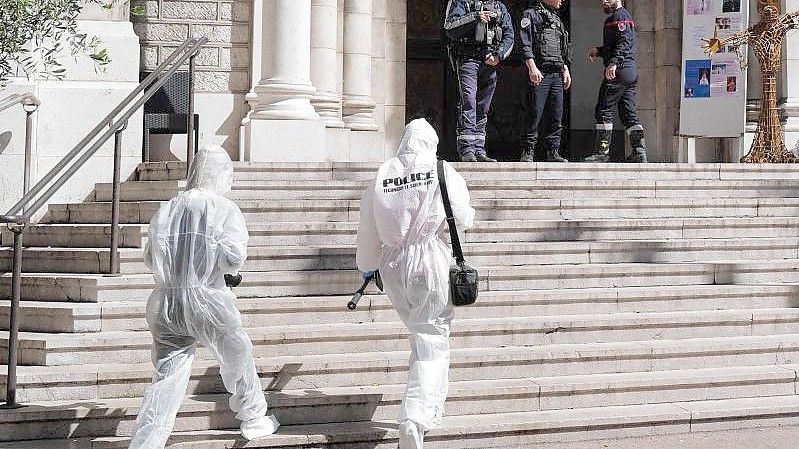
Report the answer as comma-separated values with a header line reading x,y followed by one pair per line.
x,y
766,37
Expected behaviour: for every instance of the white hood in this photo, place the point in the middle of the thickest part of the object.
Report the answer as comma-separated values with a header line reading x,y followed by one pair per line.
x,y
419,139
211,170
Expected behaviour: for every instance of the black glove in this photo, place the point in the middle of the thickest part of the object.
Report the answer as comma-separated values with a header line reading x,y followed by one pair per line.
x,y
232,281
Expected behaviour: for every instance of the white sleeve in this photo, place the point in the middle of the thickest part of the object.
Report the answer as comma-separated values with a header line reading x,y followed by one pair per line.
x,y
233,241
459,198
367,254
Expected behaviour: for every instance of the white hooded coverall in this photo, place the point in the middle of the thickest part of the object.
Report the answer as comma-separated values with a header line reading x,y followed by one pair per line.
x,y
401,233
194,240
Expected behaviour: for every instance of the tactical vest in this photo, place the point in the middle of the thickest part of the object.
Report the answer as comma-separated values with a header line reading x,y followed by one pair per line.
x,y
487,35
552,38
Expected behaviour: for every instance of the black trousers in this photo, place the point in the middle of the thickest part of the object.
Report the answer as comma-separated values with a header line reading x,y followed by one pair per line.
x,y
545,117
619,93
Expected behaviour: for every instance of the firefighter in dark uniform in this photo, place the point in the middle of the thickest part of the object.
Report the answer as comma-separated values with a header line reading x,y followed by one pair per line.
x,y
480,36
619,84
545,46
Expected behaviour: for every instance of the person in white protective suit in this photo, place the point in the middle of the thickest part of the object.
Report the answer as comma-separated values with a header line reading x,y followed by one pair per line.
x,y
194,240
401,234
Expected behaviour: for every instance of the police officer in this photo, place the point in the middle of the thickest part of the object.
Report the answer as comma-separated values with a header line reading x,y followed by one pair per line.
x,y
545,46
480,36
619,83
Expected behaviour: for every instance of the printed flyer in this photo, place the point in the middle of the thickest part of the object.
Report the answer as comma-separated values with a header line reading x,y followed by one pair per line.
x,y
725,74
697,78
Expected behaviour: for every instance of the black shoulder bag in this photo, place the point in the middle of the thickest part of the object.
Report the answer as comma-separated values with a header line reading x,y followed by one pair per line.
x,y
463,278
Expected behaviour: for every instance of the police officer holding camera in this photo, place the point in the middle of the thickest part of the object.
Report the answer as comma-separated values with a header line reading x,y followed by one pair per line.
x,y
480,36
619,84
545,46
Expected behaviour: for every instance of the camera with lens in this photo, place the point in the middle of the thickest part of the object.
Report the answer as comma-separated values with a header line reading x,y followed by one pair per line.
x,y
489,33
232,280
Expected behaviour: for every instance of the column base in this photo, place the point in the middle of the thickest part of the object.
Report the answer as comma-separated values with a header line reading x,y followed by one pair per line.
x,y
329,109
359,114
284,140
281,101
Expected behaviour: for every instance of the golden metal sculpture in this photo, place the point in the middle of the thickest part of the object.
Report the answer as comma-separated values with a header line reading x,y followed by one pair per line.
x,y
766,38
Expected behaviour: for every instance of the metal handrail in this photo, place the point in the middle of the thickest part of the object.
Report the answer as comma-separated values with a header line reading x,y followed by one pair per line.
x,y
13,100
189,48
117,120
30,104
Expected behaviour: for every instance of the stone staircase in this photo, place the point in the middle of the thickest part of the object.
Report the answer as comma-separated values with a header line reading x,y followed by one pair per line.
x,y
617,300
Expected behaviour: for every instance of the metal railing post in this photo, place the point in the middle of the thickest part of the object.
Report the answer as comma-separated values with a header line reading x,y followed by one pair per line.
x,y
113,264
30,105
190,118
13,323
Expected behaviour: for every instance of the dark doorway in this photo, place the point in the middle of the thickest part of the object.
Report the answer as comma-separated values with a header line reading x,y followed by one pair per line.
x,y
431,89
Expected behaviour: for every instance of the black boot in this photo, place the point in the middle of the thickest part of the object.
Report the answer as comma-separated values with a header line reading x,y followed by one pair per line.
x,y
638,143
527,155
602,139
554,156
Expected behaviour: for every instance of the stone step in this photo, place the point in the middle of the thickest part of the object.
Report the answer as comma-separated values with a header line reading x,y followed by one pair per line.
x,y
134,347
115,417
76,236
479,189
130,315
499,430
135,287
343,233
342,257
500,209
510,171
117,379
511,231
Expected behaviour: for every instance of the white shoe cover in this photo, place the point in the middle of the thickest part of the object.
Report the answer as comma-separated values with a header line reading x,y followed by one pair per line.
x,y
259,427
410,436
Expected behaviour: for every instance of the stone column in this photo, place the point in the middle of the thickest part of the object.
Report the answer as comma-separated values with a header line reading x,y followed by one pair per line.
x,y
324,61
358,103
395,74
667,35
285,87
283,124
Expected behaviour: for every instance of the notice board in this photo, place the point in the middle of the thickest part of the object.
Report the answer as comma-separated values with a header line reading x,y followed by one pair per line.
x,y
713,90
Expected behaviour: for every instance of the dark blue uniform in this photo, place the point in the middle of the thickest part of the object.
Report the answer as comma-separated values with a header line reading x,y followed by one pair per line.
x,y
469,43
544,39
619,48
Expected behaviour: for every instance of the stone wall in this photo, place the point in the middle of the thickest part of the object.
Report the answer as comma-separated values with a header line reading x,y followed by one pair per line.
x,y
223,75
659,25
91,92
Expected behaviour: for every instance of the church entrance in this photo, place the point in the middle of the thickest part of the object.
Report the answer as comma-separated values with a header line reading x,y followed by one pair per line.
x,y
431,86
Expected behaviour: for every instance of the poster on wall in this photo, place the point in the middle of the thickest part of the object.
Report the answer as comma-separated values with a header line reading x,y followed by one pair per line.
x,y
713,100
697,78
